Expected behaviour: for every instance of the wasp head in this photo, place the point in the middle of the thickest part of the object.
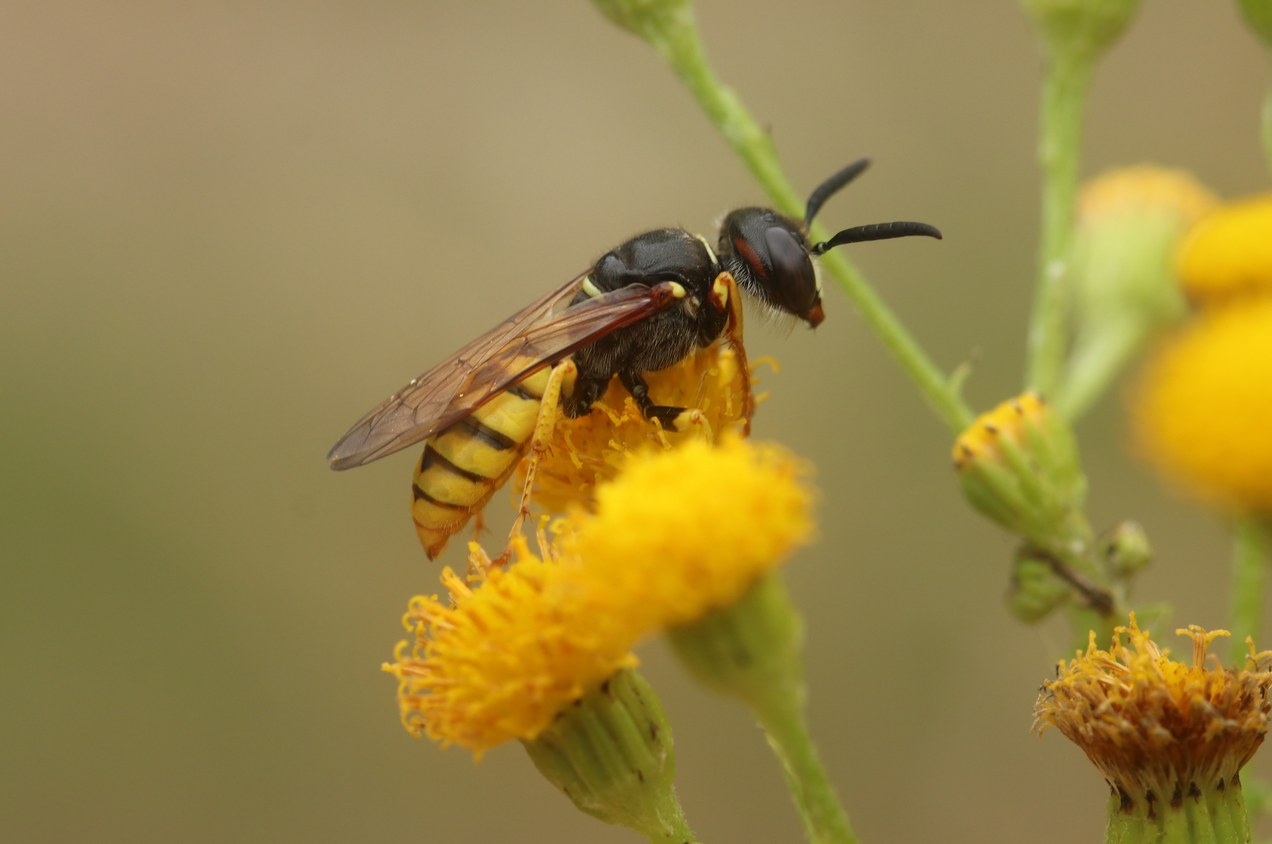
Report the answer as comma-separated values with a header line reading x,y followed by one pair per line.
x,y
769,255
770,259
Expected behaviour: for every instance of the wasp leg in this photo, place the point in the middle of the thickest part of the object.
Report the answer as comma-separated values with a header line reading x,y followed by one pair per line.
x,y
672,418
578,401
562,375
724,293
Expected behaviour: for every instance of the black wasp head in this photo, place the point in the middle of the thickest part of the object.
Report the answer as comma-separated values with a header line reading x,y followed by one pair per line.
x,y
769,256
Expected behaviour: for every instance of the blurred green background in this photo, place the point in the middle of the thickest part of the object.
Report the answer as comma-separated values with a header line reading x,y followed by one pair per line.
x,y
228,229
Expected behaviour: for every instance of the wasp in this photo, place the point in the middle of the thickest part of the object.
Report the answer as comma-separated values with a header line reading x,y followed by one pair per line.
x,y
645,305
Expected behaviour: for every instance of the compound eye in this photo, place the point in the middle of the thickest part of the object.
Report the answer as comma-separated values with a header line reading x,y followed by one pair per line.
x,y
794,283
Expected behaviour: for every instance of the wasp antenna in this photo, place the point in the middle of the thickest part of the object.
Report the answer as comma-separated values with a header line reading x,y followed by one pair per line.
x,y
831,186
877,231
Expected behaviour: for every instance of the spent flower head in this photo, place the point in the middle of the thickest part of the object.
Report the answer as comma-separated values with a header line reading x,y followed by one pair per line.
x,y
1168,737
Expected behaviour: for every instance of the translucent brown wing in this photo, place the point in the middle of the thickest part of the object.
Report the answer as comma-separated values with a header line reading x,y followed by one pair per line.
x,y
526,342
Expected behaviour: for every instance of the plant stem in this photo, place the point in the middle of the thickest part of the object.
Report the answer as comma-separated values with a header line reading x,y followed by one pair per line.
x,y
1249,577
1063,101
1266,128
787,731
683,49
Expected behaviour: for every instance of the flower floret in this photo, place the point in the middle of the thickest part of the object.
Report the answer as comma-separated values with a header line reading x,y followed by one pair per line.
x,y
503,657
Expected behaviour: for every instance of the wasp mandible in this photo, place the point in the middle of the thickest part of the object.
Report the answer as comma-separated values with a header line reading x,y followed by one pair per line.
x,y
642,307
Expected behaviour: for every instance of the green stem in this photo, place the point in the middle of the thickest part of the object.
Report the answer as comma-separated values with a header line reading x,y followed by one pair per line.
x,y
1064,90
1249,578
751,651
683,49
787,732
1097,360
1267,125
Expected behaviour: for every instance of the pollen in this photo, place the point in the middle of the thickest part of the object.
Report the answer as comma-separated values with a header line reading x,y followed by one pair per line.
x,y
680,533
713,383
1158,729
1228,254
503,657
1203,410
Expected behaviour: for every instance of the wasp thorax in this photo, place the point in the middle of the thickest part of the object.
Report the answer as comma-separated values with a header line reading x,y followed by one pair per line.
x,y
768,255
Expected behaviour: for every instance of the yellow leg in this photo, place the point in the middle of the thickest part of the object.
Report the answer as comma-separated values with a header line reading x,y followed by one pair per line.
x,y
561,377
724,294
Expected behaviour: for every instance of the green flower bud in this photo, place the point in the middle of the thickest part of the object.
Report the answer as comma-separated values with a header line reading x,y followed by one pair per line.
x,y
1018,465
654,21
1125,549
1036,590
1130,224
1081,26
611,753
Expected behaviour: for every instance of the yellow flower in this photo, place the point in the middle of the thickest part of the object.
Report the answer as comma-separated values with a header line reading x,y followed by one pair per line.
x,y
683,532
984,439
584,452
676,534
1144,189
1203,410
1018,465
1228,254
1130,223
501,660
1164,734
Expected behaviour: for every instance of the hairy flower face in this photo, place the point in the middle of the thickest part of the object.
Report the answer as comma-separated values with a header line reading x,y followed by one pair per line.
x,y
1157,729
1203,409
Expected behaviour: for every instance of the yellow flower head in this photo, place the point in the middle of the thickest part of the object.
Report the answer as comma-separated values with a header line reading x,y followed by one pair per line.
x,y
1227,255
1203,409
1144,189
591,449
679,533
984,439
500,660
1157,729
1130,221
1018,465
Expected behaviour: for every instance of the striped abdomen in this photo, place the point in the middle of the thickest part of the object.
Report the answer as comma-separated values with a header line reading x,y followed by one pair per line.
x,y
463,465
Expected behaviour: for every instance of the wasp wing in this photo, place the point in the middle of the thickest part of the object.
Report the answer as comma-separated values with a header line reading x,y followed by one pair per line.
x,y
523,344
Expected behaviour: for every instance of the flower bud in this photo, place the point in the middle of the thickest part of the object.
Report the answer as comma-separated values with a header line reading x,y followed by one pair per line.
x,y
1018,465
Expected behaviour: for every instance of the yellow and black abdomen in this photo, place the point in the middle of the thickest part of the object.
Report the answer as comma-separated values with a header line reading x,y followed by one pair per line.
x,y
464,464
